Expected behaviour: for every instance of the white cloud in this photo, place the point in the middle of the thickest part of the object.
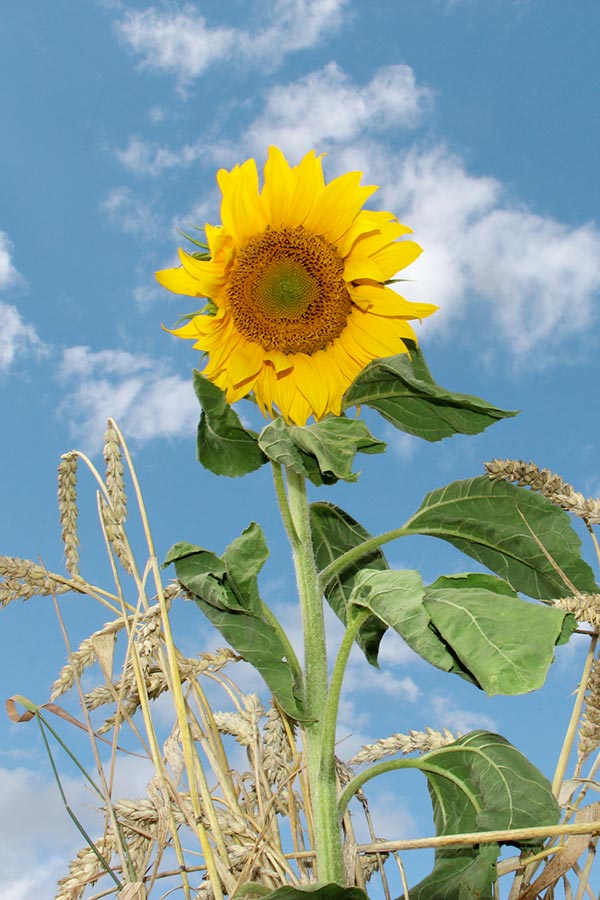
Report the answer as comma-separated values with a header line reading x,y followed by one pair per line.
x,y
129,213
141,395
447,715
181,43
9,276
37,837
391,817
322,109
149,158
17,337
178,43
534,279
326,107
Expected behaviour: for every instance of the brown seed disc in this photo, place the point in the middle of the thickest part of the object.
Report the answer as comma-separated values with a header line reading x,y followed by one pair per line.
x,y
287,292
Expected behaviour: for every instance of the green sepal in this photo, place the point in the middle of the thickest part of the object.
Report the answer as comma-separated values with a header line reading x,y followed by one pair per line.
x,y
224,446
515,532
335,532
226,590
324,451
402,390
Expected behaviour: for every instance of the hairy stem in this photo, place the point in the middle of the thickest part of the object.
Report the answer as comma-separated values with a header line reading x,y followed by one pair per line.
x,y
321,770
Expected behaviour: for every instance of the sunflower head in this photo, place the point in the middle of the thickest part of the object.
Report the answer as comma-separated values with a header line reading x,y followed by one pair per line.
x,y
297,275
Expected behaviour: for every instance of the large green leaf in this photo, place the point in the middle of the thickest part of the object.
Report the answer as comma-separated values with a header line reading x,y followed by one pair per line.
x,y
313,892
505,643
323,451
516,533
479,783
473,625
335,532
402,390
224,446
396,599
226,591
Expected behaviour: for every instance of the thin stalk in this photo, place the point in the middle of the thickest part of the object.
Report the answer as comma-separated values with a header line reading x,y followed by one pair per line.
x,y
391,766
335,690
321,772
192,763
103,862
561,766
351,556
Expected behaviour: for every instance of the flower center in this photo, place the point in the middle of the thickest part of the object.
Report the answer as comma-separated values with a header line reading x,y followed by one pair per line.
x,y
287,292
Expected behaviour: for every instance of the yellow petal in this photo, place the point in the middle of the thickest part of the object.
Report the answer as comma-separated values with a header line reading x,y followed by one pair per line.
x,y
396,256
179,282
383,227
279,187
310,384
241,210
336,207
210,276
309,184
373,334
383,301
246,362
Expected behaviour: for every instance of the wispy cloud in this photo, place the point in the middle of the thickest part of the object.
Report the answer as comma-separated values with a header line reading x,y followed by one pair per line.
x,y
181,43
150,158
327,108
18,338
447,714
10,277
130,214
536,278
146,399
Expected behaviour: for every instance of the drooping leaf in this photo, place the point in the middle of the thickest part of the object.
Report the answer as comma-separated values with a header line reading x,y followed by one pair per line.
x,y
516,533
334,533
462,874
226,590
505,643
402,390
479,783
323,451
472,625
316,892
396,599
224,446
244,558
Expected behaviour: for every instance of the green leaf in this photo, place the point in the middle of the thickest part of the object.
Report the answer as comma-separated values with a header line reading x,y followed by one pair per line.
x,y
396,599
505,643
402,390
316,892
462,874
224,446
324,451
516,533
334,533
472,625
226,590
479,783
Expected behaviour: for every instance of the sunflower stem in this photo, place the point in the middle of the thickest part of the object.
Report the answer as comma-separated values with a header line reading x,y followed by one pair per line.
x,y
321,770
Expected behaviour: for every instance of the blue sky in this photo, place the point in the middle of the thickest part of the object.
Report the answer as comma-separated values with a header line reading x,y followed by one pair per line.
x,y
479,121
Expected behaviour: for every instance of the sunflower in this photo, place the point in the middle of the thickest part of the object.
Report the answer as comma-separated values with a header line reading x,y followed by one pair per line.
x,y
297,277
